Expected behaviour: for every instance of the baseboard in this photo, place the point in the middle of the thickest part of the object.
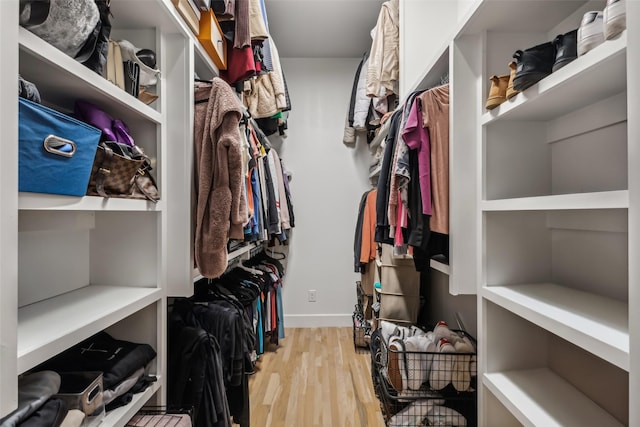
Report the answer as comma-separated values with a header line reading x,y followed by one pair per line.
x,y
317,320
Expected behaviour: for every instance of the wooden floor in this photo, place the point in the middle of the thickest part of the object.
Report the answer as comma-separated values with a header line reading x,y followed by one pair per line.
x,y
314,378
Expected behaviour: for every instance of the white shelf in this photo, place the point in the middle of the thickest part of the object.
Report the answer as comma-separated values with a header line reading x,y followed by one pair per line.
x,y
498,16
539,397
62,80
48,327
440,266
437,67
590,78
165,17
120,417
600,200
597,324
40,202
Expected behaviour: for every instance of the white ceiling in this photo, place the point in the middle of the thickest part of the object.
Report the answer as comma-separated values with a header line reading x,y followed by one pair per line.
x,y
322,28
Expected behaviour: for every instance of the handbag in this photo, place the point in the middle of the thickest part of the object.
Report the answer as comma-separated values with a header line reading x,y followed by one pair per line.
x,y
120,170
132,78
93,54
66,24
115,68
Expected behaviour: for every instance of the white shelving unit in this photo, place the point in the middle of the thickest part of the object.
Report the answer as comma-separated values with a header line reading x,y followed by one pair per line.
x,y
552,178
554,241
533,397
75,266
438,59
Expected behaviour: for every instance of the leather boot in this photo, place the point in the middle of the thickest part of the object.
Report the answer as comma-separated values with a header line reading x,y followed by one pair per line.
x,y
534,64
511,92
566,49
497,92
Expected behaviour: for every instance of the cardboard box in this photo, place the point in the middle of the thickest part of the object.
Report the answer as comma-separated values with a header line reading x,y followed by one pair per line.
x,y
213,40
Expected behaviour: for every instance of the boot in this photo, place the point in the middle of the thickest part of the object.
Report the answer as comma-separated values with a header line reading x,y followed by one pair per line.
x,y
534,64
497,92
566,49
511,92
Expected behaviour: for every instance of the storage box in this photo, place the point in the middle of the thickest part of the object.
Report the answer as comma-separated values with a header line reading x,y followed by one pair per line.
x,y
83,391
188,15
400,294
55,151
212,39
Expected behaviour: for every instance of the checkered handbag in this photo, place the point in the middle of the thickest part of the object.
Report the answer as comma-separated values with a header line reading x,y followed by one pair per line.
x,y
119,172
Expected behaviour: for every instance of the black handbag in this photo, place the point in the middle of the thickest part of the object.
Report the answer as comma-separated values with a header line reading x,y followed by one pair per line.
x,y
131,78
93,54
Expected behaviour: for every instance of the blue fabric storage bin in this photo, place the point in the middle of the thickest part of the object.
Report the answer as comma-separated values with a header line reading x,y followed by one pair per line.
x,y
56,151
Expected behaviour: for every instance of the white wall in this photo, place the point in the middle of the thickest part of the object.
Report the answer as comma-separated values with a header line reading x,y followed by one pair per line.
x,y
328,181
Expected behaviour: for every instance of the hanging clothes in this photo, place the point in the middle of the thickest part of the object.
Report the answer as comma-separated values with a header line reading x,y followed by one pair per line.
x,y
383,70
435,117
221,211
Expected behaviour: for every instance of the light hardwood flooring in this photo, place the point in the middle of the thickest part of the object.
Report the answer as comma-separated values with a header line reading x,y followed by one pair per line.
x,y
314,377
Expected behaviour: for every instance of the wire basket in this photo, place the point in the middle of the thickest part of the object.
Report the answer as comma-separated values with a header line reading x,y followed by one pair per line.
x,y
162,416
361,326
422,388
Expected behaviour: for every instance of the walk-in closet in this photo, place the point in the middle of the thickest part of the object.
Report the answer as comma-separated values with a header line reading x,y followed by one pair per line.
x,y
305,213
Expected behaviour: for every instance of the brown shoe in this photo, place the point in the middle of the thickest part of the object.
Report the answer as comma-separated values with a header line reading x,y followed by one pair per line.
x,y
498,91
511,92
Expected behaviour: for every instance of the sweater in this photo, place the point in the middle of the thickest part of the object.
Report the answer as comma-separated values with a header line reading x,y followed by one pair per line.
x,y
221,208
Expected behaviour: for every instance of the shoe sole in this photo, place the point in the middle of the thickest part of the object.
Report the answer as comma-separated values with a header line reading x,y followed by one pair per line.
x,y
525,81
587,44
493,102
559,64
615,19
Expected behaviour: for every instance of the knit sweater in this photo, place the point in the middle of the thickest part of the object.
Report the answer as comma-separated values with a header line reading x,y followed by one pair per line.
x,y
221,207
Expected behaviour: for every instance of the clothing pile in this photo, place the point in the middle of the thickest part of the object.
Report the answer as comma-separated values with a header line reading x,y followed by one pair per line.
x,y
241,185
123,365
253,61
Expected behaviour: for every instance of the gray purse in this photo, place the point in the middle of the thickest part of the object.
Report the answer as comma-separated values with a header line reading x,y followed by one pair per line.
x,y
66,24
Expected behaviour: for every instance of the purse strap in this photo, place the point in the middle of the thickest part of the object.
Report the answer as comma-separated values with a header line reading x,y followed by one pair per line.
x,y
142,172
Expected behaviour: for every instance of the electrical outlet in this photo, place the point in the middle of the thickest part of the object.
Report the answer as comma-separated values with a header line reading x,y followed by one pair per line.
x,y
312,295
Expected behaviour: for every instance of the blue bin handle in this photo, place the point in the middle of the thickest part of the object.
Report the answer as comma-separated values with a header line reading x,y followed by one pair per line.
x,y
59,146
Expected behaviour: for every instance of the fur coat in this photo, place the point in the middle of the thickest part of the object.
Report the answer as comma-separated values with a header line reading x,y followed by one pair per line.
x,y
221,209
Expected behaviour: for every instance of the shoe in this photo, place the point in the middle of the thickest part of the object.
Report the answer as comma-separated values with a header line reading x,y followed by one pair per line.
x,y
442,367
615,18
566,46
534,64
416,359
461,376
395,358
511,92
498,91
591,31
445,416
441,330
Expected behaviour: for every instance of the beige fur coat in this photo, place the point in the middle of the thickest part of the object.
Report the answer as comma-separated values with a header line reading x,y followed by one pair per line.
x,y
220,201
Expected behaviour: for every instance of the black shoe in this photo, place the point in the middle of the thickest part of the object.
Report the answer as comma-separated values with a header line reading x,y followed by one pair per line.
x,y
566,49
534,64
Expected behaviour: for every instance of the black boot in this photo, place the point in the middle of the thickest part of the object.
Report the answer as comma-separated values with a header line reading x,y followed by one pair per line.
x,y
534,64
566,49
